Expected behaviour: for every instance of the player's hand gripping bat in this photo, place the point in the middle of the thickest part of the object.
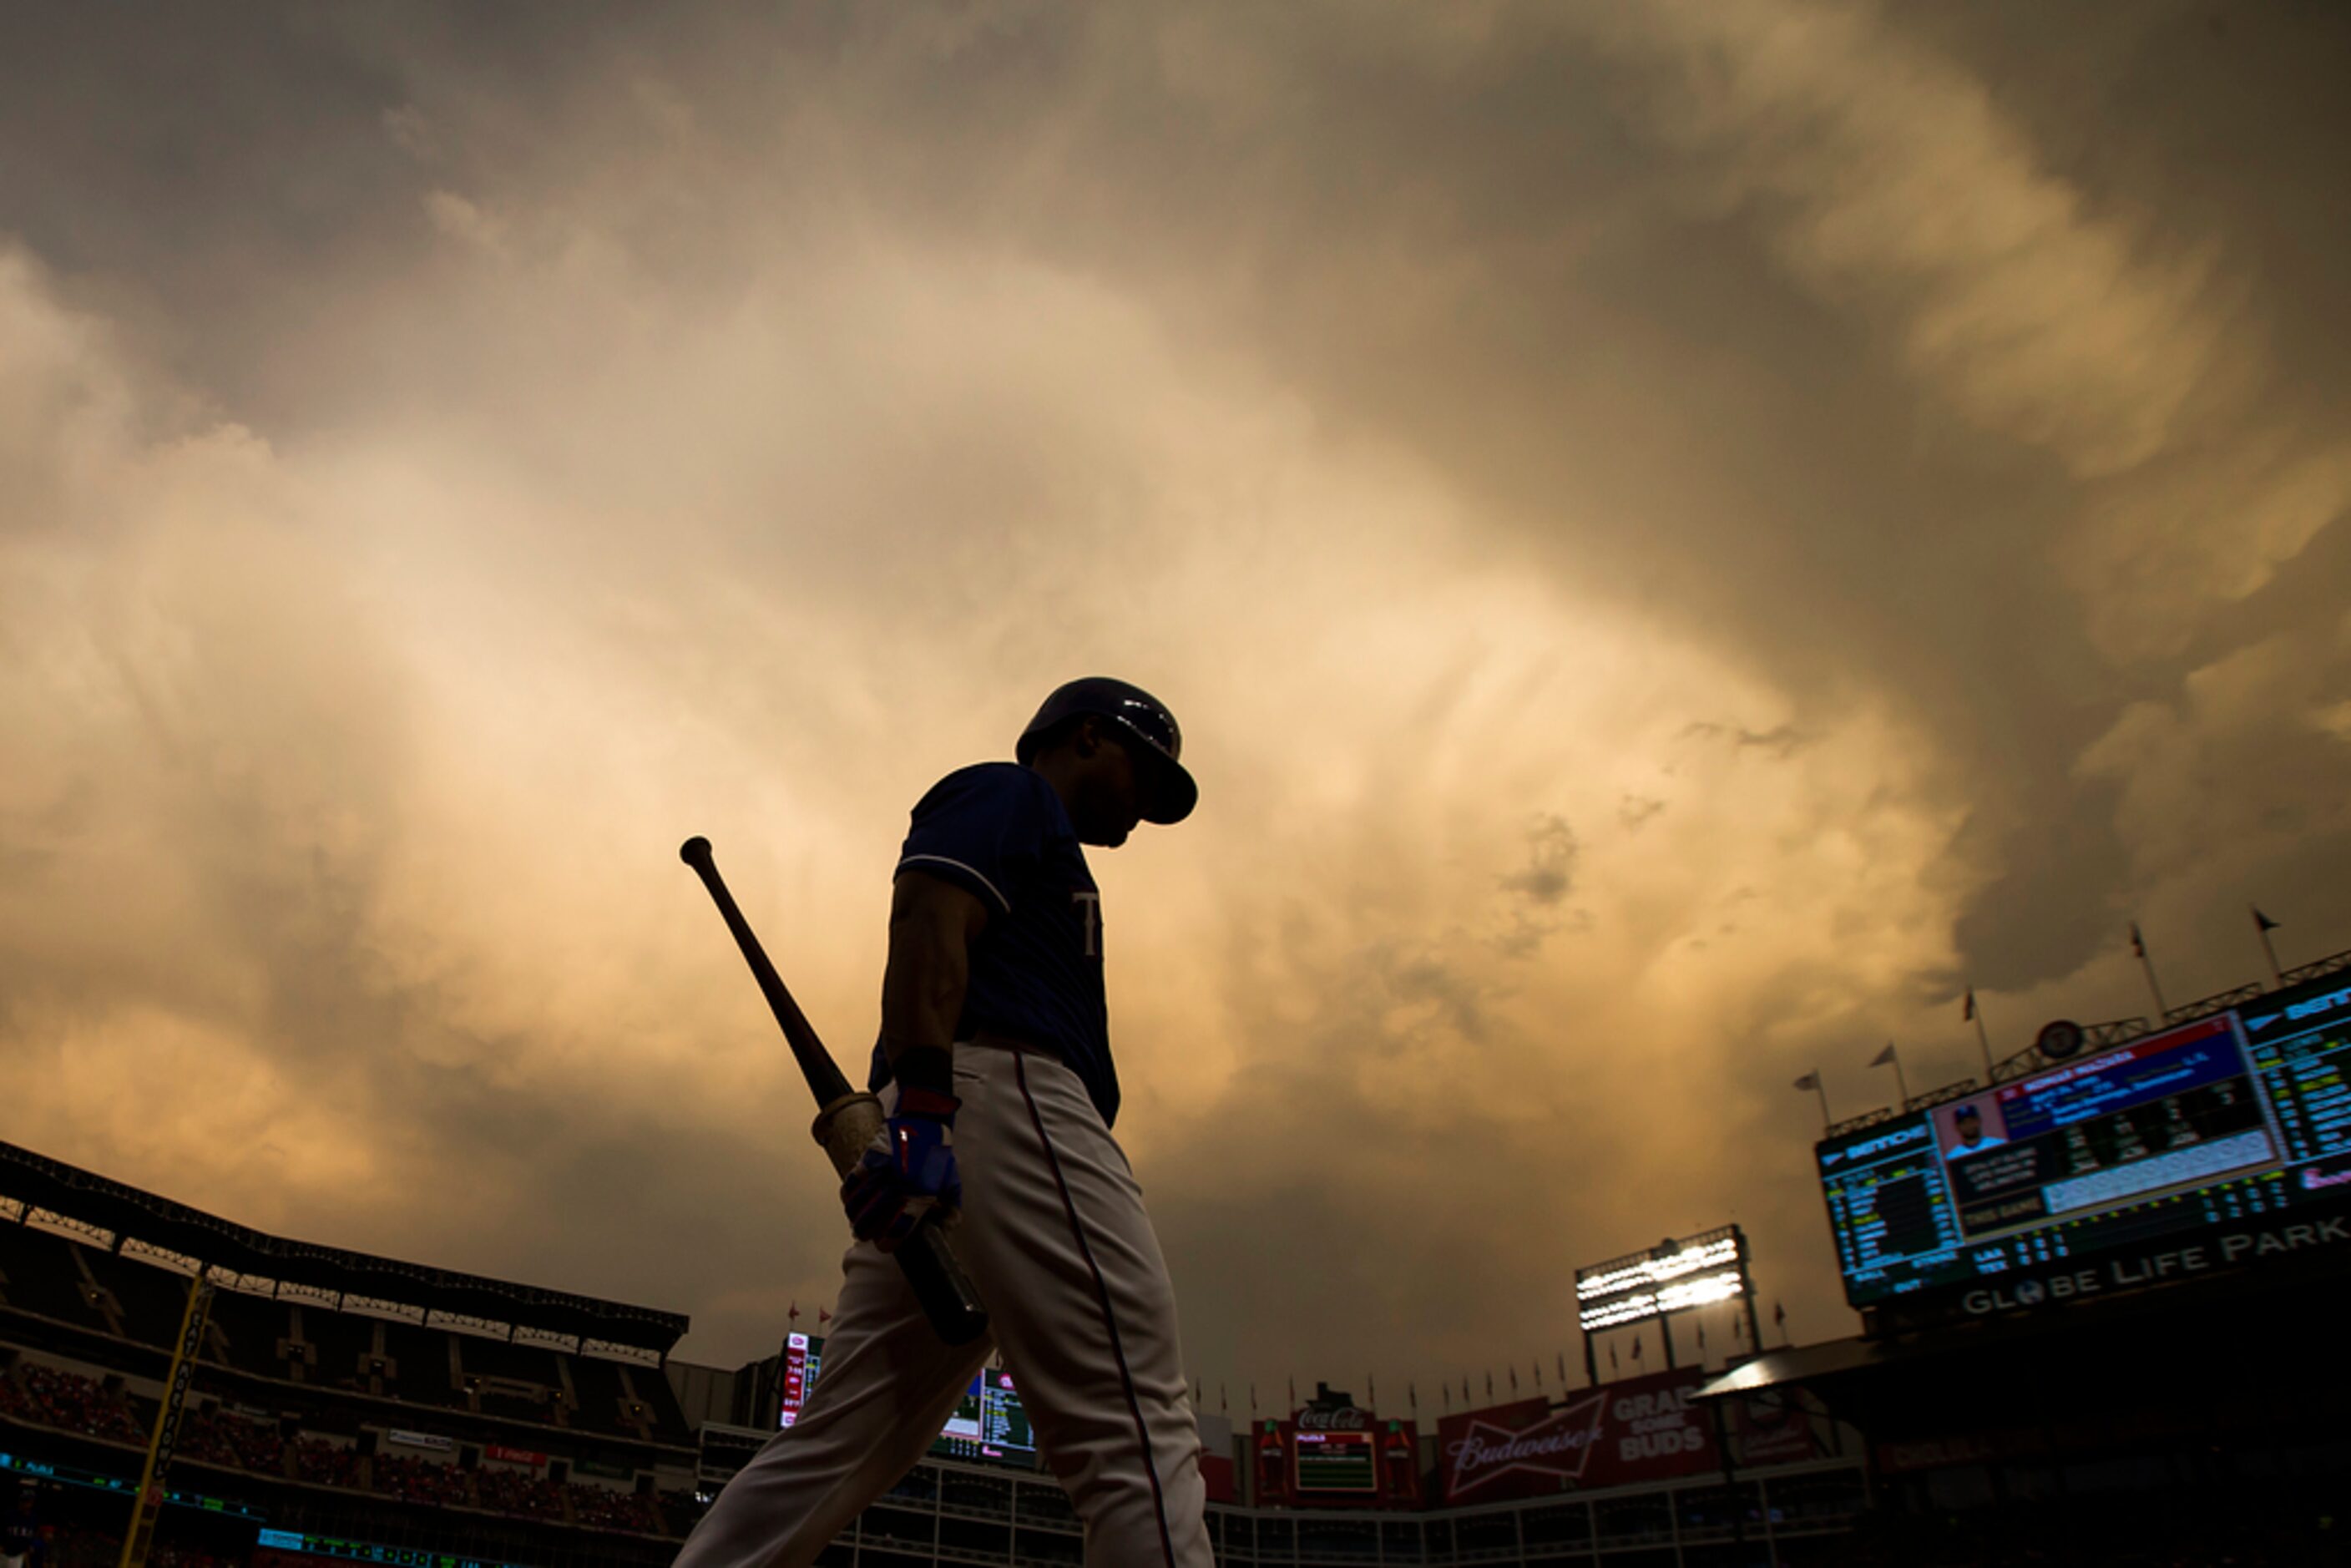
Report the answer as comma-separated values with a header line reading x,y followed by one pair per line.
x,y
846,1121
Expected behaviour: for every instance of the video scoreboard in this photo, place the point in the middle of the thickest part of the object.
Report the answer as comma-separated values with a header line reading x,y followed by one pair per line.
x,y
1342,1461
2206,1145
988,1422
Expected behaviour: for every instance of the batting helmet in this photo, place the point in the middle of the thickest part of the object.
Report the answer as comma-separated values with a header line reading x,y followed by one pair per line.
x,y
1169,792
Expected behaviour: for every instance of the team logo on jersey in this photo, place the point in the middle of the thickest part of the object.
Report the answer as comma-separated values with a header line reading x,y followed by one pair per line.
x,y
1091,902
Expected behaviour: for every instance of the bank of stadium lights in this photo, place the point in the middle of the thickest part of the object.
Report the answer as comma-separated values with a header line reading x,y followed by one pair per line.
x,y
1656,1269
1675,1276
1679,1298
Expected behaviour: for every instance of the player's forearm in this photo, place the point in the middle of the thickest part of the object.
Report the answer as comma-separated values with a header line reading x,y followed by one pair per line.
x,y
923,987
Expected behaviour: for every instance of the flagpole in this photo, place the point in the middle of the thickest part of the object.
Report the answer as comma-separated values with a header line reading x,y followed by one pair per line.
x,y
2262,923
1974,1011
1812,1081
2138,945
1892,1058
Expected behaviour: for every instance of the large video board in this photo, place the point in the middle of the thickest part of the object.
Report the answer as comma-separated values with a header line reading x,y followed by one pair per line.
x,y
989,1423
2211,1145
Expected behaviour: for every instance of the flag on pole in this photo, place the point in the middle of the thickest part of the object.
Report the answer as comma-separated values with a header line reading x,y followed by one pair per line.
x,y
822,1317
1489,1385
1293,1394
2262,926
1612,1358
1968,1012
1808,1080
1563,1369
1884,1058
1446,1388
1224,1404
1539,1373
1701,1339
1637,1347
2138,945
1411,1397
1371,1390
1514,1377
1466,1394
794,1315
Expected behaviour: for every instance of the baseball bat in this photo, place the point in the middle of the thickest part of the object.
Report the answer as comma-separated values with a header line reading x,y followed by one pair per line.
x,y
846,1121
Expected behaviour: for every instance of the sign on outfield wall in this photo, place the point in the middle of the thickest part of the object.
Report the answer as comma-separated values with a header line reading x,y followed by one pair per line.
x,y
1622,1434
422,1439
505,1456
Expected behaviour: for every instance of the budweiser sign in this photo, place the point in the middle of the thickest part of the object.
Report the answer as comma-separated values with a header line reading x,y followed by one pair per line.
x,y
1548,1454
1630,1432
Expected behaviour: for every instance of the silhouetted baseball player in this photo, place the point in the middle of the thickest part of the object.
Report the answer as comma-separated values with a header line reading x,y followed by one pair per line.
x,y
994,1065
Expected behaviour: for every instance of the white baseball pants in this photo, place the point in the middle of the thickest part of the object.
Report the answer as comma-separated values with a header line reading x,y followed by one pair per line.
x,y
1054,1237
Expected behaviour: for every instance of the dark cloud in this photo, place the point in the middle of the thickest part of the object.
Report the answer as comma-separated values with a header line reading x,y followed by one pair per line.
x,y
1878,471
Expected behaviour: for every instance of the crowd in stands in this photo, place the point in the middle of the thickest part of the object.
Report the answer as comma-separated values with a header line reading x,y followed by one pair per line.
x,y
214,1437
55,1397
519,1492
599,1508
412,1479
325,1464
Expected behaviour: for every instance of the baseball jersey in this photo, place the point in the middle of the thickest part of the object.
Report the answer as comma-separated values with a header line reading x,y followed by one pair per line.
x,y
999,831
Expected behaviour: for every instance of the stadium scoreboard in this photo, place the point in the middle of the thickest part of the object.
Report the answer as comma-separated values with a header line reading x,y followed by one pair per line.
x,y
2206,1145
987,1424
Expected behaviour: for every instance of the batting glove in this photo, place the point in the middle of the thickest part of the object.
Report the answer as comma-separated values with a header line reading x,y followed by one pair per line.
x,y
907,1172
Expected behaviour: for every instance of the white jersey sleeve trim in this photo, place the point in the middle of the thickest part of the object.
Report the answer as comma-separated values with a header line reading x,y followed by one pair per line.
x,y
971,871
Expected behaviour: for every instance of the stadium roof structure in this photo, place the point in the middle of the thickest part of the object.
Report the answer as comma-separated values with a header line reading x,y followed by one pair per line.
x,y
129,1213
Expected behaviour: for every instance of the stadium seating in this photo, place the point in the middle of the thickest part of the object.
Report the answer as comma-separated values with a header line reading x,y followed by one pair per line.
x,y
213,1436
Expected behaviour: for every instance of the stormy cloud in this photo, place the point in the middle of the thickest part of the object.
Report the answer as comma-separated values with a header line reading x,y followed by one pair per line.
x,y
1680,536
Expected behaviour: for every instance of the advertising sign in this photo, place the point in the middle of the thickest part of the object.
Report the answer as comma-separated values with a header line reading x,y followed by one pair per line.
x,y
1335,1453
1622,1434
421,1440
500,1454
1776,1428
2220,1143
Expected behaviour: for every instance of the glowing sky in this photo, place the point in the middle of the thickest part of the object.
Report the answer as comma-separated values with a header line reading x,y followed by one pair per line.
x,y
1679,536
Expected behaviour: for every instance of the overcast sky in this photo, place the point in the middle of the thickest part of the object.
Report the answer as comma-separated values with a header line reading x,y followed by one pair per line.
x,y
1680,535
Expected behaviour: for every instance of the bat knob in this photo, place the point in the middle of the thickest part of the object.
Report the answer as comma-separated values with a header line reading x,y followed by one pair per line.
x,y
695,853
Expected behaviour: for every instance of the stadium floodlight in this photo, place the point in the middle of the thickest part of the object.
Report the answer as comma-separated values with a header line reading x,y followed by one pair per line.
x,y
1675,1276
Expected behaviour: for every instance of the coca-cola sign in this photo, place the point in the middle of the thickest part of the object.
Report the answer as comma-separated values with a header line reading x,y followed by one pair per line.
x,y
1345,1419
1547,1452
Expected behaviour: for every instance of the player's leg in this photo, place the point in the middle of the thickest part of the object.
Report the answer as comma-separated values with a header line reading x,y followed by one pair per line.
x,y
1055,1237
886,1386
